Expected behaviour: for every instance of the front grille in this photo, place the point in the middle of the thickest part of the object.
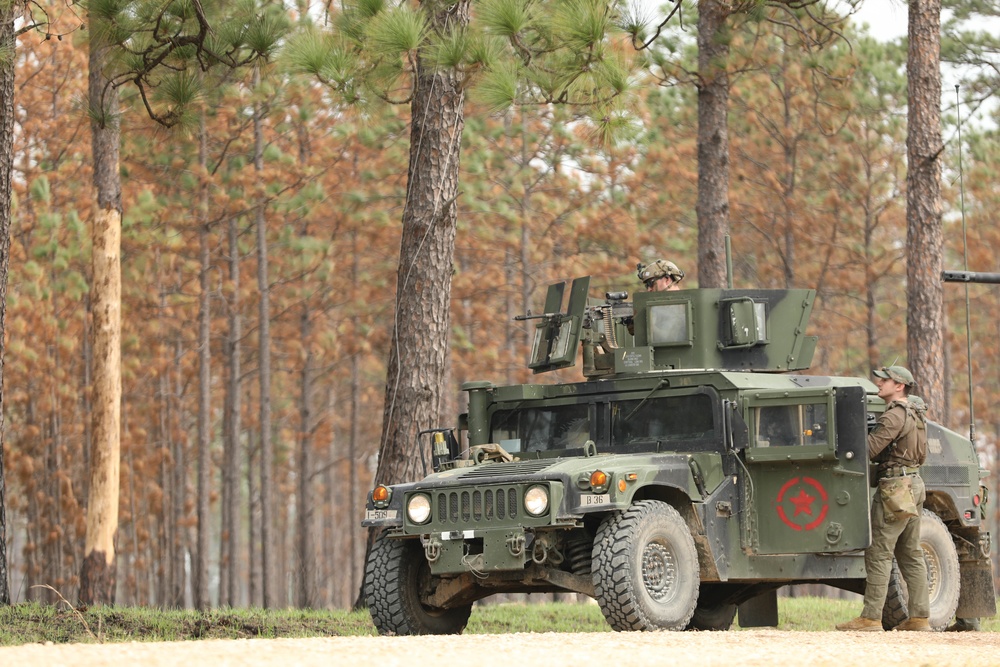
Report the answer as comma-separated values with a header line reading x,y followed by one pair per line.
x,y
457,509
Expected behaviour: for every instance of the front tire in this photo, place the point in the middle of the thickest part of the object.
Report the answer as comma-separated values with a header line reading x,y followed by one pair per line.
x,y
943,577
397,576
645,568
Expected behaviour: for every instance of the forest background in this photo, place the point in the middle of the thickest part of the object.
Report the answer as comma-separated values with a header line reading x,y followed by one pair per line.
x,y
818,174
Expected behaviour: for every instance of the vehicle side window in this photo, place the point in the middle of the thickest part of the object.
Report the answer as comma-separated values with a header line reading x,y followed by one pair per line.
x,y
791,425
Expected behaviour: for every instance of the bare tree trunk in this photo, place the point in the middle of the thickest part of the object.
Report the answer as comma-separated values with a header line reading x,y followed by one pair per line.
x,y
713,142
331,534
253,514
352,467
201,595
7,45
264,374
304,498
231,471
182,544
924,239
98,576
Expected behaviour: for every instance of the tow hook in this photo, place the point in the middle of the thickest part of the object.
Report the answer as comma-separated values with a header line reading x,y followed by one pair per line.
x,y
432,548
515,544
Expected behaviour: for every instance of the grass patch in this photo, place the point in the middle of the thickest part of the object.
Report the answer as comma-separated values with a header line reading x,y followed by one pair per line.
x,y
36,623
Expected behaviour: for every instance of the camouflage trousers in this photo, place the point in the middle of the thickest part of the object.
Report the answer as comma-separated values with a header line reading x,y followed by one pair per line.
x,y
899,538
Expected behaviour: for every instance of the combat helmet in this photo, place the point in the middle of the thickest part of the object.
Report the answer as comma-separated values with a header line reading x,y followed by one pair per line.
x,y
660,268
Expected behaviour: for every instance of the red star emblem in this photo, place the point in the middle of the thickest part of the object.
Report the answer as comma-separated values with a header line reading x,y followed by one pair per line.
x,y
803,503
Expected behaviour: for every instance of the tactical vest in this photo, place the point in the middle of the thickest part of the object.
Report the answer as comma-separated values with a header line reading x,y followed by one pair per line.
x,y
913,433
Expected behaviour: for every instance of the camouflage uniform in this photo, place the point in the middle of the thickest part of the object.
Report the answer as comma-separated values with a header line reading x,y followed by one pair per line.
x,y
898,443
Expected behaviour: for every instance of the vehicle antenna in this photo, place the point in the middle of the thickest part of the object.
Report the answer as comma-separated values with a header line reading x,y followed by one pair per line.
x,y
965,252
729,262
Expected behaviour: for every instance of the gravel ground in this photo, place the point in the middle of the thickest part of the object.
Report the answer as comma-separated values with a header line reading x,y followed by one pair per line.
x,y
704,649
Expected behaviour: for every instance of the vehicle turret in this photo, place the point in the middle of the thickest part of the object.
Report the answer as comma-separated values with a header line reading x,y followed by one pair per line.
x,y
720,329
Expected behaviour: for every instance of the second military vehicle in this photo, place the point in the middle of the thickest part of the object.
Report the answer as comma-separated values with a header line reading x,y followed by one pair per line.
x,y
690,475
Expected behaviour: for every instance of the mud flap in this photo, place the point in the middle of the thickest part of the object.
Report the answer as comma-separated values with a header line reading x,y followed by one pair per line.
x,y
759,612
976,599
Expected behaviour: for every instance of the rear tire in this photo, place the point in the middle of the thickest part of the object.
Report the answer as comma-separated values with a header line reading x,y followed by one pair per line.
x,y
396,577
715,618
943,577
645,568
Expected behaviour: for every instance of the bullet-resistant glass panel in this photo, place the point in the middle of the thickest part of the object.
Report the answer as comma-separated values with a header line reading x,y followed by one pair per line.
x,y
791,425
678,423
761,321
668,324
542,429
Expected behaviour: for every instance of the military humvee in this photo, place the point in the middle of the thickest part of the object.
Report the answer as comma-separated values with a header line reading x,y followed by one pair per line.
x,y
688,477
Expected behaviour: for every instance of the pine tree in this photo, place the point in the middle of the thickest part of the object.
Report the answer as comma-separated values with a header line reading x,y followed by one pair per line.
x,y
428,56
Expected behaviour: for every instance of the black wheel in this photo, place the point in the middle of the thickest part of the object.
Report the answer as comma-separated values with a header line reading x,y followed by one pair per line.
x,y
645,568
396,578
943,578
716,617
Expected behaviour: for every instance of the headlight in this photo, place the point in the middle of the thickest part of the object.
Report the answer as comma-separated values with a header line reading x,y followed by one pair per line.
x,y
418,508
536,500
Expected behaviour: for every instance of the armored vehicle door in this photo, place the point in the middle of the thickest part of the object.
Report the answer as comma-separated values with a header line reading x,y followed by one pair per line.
x,y
808,468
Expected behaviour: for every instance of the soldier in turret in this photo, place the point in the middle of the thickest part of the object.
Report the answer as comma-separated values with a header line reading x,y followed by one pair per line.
x,y
660,276
898,444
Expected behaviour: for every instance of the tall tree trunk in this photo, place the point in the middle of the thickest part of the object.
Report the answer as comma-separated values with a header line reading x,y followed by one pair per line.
x,y
97,578
201,596
416,368
7,13
304,498
713,142
182,545
267,559
231,471
924,239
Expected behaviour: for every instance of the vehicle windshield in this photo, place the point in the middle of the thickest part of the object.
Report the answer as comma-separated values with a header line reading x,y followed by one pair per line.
x,y
671,423
674,423
542,429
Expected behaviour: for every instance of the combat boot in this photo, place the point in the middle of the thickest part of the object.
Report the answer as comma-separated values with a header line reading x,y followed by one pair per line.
x,y
915,625
862,624
964,625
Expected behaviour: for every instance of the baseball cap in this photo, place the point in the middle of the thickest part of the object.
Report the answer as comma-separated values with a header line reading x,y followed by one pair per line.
x,y
898,373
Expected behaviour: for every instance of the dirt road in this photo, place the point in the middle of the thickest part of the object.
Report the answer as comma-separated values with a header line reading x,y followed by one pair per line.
x,y
701,649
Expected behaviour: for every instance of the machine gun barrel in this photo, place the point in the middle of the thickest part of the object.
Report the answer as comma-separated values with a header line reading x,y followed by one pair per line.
x,y
970,277
540,316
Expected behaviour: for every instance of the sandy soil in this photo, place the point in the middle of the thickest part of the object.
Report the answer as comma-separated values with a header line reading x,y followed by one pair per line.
x,y
704,649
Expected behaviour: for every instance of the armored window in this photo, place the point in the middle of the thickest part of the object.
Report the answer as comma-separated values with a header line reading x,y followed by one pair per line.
x,y
677,423
542,429
670,324
791,425
746,323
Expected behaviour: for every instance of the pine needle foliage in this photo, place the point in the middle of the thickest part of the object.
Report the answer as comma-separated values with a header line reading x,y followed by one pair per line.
x,y
512,53
170,50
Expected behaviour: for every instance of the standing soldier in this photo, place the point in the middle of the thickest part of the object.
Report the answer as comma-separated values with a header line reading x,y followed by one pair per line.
x,y
898,444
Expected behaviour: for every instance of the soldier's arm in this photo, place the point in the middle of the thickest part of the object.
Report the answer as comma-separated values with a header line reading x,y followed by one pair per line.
x,y
886,430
